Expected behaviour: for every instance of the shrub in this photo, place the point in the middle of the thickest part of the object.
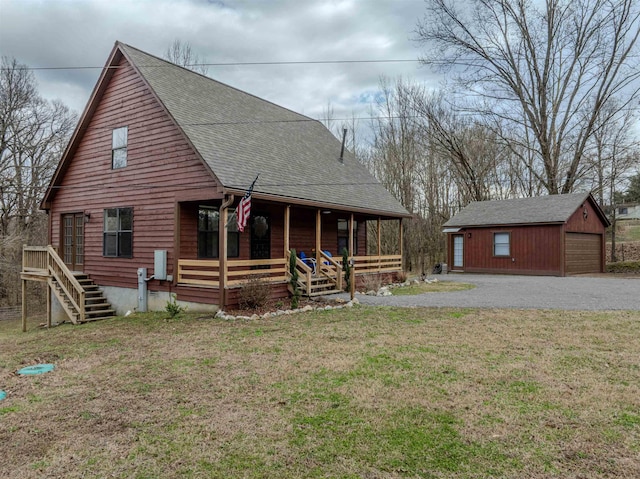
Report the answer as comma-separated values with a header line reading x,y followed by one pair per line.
x,y
346,267
253,294
624,267
372,282
173,308
402,276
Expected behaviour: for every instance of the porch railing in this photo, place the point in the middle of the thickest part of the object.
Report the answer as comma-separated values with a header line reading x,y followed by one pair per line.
x,y
43,263
376,264
206,273
331,269
239,271
68,283
270,270
35,260
199,272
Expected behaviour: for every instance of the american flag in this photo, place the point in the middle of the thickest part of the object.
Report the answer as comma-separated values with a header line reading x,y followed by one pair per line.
x,y
244,208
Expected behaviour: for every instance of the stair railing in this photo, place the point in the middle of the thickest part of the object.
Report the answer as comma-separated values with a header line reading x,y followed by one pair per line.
x,y
67,282
330,268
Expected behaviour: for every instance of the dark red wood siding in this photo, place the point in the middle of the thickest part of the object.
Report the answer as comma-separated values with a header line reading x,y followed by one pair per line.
x,y
161,169
533,250
574,247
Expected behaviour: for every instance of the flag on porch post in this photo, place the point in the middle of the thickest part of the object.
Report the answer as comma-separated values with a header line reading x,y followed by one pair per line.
x,y
244,208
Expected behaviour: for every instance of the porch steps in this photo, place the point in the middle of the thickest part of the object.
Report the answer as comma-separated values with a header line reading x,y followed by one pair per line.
x,y
320,286
95,304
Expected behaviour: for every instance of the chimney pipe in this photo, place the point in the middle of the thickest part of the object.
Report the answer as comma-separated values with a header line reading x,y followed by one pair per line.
x,y
344,138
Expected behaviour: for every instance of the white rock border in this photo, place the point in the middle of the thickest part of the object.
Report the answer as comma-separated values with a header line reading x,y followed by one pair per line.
x,y
285,312
386,290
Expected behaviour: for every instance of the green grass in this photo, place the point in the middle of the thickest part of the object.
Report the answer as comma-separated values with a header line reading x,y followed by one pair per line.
x,y
628,230
624,267
364,392
439,287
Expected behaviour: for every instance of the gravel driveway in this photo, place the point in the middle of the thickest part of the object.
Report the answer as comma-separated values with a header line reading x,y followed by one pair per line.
x,y
526,292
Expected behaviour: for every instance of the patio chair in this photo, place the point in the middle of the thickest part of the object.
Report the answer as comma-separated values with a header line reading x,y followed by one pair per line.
x,y
310,262
327,253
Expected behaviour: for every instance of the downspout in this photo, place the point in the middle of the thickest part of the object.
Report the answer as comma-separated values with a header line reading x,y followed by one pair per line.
x,y
222,256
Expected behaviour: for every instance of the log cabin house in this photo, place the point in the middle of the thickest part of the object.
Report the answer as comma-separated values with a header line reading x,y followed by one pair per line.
x,y
145,194
552,235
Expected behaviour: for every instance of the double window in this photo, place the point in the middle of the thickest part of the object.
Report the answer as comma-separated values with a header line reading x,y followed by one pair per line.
x,y
119,138
501,244
118,232
343,236
208,228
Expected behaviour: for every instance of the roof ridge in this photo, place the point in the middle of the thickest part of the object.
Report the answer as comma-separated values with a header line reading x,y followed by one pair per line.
x,y
188,70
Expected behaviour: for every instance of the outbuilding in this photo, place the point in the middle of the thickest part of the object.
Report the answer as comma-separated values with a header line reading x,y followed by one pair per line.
x,y
554,235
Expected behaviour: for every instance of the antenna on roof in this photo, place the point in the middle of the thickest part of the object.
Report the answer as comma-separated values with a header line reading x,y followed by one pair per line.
x,y
344,138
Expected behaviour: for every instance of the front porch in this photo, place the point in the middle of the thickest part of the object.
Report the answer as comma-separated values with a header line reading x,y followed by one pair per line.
x,y
326,279
262,252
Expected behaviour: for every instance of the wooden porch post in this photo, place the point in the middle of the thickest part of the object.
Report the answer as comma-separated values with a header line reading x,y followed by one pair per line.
x,y
287,218
24,305
222,254
351,252
400,242
48,305
176,242
379,248
318,236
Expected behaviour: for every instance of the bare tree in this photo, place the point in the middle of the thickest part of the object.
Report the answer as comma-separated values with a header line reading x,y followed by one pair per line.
x,y
181,53
33,134
546,69
614,154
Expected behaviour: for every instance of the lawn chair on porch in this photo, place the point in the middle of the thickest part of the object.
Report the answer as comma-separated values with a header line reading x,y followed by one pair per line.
x,y
310,262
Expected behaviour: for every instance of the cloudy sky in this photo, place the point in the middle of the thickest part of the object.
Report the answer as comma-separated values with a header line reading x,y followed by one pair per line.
x,y
81,33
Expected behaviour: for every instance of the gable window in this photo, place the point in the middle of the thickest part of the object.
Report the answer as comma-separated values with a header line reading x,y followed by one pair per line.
x,y
208,227
501,244
119,147
118,232
343,236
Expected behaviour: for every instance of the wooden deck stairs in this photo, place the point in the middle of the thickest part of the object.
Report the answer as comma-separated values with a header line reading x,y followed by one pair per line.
x,y
78,295
96,306
327,279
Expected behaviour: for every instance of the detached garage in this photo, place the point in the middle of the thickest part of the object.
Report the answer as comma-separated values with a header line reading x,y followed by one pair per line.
x,y
548,235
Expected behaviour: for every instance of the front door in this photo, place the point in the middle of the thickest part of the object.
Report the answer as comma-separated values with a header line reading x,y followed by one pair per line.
x,y
260,238
73,240
458,251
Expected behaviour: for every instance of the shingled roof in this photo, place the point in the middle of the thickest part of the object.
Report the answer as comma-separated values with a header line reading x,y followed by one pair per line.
x,y
541,209
239,136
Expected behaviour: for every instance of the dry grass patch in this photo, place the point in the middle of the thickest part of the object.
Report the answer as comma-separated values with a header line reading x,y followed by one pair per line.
x,y
439,287
366,392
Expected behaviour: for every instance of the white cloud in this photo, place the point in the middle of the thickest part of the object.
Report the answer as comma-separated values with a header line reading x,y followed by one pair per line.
x,y
81,33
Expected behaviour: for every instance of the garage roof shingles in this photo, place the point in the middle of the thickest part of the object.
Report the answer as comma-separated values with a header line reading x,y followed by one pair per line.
x,y
542,209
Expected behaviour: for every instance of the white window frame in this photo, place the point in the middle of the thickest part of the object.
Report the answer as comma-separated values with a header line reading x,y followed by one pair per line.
x,y
119,140
502,248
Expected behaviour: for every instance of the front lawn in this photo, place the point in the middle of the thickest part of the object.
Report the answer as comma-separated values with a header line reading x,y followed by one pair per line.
x,y
362,392
436,287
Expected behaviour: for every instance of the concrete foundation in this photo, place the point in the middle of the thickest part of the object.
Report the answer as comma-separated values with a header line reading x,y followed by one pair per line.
x,y
126,299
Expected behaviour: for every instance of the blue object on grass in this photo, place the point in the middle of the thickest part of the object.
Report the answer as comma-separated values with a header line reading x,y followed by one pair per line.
x,y
2,395
37,369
